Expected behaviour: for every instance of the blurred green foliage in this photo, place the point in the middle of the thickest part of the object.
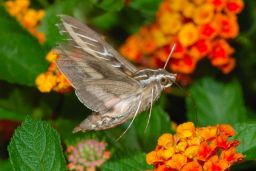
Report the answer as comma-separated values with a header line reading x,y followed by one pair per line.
x,y
214,97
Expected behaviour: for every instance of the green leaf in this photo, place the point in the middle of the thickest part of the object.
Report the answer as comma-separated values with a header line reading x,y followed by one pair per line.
x,y
147,7
17,102
5,165
10,115
246,134
215,102
109,5
159,124
134,162
75,8
22,57
36,146
105,21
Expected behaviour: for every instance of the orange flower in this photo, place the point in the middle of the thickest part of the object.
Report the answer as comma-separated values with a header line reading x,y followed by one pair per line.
x,y
186,130
214,164
29,18
229,27
203,14
198,2
231,156
179,51
176,5
170,23
229,66
206,150
185,65
195,26
177,161
220,52
165,140
192,166
52,79
209,30
158,38
218,4
222,142
192,149
152,157
51,56
234,6
188,9
45,82
188,35
225,129
200,49
164,7
146,41
131,49
207,132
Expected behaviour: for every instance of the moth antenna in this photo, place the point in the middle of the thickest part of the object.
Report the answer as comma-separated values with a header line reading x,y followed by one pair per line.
x,y
137,111
170,55
193,100
150,110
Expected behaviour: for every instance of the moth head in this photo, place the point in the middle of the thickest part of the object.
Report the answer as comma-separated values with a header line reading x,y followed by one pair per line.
x,y
165,78
159,76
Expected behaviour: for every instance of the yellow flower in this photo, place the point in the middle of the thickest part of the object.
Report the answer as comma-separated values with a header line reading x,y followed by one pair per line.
x,y
16,8
207,132
194,141
165,140
51,56
168,153
188,34
177,5
170,23
198,2
177,161
151,157
186,130
62,85
158,37
29,18
181,146
191,151
215,164
192,166
203,14
188,9
45,82
131,48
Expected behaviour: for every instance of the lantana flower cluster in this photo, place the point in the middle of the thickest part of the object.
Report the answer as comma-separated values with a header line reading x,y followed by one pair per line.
x,y
52,79
28,17
197,149
199,28
87,155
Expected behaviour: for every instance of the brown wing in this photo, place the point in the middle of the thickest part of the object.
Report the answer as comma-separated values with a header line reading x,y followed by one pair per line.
x,y
98,77
92,43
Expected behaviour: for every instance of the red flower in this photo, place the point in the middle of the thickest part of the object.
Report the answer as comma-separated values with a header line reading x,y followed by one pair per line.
x,y
228,25
234,6
220,52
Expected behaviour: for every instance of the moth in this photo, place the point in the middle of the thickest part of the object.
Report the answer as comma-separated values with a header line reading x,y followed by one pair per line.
x,y
103,80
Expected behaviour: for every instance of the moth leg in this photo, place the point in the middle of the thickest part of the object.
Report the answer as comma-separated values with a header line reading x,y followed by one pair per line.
x,y
150,110
136,113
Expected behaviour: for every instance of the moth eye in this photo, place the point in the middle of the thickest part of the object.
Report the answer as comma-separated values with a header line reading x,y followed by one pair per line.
x,y
164,81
